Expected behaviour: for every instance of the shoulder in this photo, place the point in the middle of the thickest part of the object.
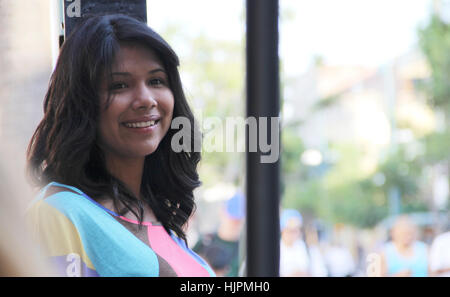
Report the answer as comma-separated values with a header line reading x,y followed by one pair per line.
x,y
388,248
421,245
439,248
57,200
443,239
63,216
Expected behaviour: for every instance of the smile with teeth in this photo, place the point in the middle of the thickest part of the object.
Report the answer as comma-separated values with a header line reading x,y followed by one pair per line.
x,y
141,124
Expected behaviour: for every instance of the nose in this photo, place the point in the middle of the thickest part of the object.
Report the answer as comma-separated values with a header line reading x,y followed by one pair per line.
x,y
144,97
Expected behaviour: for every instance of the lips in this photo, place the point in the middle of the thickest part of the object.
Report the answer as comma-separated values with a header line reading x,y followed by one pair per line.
x,y
142,122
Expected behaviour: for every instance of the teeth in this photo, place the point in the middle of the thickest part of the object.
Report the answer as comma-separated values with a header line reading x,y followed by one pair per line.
x,y
140,124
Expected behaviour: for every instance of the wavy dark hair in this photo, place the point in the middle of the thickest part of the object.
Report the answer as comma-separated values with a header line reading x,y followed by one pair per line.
x,y
64,147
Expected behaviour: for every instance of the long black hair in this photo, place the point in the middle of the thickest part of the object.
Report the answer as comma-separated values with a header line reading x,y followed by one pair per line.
x,y
64,147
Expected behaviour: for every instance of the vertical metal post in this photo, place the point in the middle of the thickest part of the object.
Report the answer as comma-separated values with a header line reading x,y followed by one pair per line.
x,y
262,179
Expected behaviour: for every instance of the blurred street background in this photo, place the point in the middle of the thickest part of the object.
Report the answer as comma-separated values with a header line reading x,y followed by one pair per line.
x,y
365,93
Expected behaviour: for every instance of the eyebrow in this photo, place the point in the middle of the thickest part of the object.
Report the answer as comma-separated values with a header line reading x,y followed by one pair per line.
x,y
128,74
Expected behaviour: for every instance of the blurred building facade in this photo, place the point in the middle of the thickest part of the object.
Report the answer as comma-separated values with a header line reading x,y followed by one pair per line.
x,y
359,104
372,108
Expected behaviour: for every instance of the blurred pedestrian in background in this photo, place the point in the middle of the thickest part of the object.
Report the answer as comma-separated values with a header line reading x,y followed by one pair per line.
x,y
440,255
221,248
317,261
404,255
339,259
296,258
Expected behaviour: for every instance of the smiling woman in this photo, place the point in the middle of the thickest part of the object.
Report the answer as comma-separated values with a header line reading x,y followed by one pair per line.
x,y
115,197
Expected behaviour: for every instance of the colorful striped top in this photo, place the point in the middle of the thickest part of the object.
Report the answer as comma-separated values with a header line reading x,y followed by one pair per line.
x,y
83,238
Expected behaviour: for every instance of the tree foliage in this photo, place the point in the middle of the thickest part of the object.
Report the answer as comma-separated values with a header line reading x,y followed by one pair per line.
x,y
434,40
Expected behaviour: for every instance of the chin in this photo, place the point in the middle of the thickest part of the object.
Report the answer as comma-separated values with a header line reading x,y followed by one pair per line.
x,y
146,152
149,153
149,150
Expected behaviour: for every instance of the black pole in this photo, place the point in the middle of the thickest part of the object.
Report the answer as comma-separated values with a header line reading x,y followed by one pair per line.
x,y
75,10
263,184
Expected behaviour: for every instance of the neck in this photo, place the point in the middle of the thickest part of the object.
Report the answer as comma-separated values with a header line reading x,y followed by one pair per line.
x,y
402,247
129,171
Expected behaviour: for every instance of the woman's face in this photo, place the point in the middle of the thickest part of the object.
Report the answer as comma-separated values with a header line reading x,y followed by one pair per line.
x,y
140,111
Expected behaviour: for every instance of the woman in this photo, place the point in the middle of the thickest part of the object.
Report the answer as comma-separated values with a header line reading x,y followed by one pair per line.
x,y
297,257
404,255
116,196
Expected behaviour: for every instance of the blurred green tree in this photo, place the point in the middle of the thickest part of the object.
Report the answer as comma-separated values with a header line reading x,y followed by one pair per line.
x,y
212,70
434,41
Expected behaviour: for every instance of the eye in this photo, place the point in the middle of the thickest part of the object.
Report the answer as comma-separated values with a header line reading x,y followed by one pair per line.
x,y
118,86
156,82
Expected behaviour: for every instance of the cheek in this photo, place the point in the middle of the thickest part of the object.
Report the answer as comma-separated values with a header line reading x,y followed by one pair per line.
x,y
104,132
104,123
167,105
169,102
108,124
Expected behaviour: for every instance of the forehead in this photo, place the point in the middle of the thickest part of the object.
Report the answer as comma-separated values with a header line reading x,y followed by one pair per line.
x,y
404,226
135,56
